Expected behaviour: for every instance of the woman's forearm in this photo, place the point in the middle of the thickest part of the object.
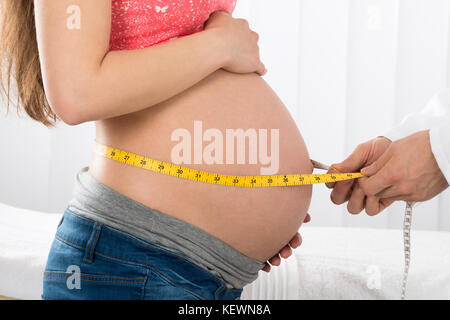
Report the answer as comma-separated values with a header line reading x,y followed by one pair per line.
x,y
132,80
85,81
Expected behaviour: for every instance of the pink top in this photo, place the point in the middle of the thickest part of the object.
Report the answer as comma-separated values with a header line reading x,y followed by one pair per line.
x,y
143,23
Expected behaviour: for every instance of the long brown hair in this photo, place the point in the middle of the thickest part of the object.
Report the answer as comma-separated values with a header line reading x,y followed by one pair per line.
x,y
20,60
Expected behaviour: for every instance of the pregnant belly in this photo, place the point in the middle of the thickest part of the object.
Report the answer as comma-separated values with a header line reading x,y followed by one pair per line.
x,y
257,222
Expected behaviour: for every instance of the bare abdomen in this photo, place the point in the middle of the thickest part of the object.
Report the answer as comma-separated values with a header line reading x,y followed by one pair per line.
x,y
257,222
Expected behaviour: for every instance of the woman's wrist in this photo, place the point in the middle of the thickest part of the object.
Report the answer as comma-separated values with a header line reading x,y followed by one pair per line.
x,y
215,39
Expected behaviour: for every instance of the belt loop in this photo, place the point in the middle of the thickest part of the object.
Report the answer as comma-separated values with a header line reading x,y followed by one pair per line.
x,y
92,243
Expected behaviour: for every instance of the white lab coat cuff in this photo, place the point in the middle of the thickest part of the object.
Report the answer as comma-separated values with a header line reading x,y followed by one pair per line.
x,y
440,145
406,128
435,114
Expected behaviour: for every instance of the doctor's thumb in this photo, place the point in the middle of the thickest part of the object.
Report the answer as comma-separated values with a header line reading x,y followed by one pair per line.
x,y
353,163
374,167
378,164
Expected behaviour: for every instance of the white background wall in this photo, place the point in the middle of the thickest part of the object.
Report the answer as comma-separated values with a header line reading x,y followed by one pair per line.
x,y
347,70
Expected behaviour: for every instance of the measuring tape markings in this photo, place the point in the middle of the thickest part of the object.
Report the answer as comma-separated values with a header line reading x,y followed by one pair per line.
x,y
215,178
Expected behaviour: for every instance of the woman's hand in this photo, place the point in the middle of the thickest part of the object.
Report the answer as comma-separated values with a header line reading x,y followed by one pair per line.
x,y
241,43
286,252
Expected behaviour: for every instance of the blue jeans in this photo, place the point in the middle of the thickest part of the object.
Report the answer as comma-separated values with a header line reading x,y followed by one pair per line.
x,y
89,260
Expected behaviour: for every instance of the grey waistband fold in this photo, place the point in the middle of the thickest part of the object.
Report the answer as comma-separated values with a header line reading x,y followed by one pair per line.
x,y
95,200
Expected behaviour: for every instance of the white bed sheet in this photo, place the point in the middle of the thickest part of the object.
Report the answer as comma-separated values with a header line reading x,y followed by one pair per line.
x,y
25,239
332,263
349,263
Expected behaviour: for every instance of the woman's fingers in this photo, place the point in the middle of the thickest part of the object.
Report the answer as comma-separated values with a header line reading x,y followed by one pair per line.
x,y
307,218
286,252
296,241
262,70
275,260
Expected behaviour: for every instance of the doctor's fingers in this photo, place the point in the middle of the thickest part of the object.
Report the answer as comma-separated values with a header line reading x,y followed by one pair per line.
x,y
373,206
356,203
382,180
332,170
376,205
342,192
355,162
401,191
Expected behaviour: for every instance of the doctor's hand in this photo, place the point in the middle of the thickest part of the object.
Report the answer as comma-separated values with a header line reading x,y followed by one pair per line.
x,y
406,171
286,252
364,155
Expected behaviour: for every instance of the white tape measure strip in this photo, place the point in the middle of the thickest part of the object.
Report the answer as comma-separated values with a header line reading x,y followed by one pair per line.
x,y
406,234
407,245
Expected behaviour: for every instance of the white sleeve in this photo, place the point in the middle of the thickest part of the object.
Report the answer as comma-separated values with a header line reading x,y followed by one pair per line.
x,y
436,118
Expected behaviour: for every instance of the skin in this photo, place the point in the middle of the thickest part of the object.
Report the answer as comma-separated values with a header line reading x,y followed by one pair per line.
x,y
136,97
257,222
101,86
401,170
286,252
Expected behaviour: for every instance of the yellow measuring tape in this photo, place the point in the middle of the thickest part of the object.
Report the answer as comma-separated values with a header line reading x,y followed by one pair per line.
x,y
247,181
215,178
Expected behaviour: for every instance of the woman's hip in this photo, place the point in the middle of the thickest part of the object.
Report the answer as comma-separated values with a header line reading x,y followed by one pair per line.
x,y
91,260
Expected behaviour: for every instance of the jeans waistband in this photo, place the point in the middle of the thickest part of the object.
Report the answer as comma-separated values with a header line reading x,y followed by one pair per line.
x,y
95,239
98,202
